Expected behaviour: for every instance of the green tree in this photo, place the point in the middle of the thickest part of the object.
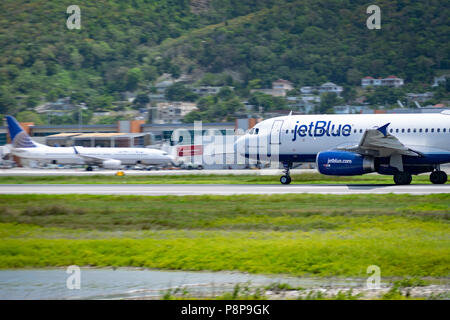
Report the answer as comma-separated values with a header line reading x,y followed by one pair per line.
x,y
134,77
6,101
141,99
29,116
327,101
179,92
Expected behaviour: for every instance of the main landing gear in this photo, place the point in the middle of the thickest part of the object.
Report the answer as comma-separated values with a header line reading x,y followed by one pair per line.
x,y
286,178
402,178
438,177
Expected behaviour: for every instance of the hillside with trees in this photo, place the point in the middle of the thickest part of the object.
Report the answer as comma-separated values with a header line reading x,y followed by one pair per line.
x,y
126,45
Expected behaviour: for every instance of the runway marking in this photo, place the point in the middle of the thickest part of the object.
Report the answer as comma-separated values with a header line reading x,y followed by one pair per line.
x,y
220,189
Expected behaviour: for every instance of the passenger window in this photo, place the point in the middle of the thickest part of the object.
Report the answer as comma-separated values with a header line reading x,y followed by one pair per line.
x,y
396,130
432,129
426,130
420,130
403,130
360,130
438,130
414,130
354,131
443,130
391,130
409,130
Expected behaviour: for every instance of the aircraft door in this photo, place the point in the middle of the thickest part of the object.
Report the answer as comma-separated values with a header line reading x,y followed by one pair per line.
x,y
275,133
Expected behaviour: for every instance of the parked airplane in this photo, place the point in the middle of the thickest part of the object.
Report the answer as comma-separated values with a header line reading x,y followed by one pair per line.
x,y
343,145
110,158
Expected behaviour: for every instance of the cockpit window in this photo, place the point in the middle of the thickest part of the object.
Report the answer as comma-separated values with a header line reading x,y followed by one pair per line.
x,y
256,130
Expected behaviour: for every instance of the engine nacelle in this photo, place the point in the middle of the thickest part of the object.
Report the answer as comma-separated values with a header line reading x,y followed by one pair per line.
x,y
111,164
342,163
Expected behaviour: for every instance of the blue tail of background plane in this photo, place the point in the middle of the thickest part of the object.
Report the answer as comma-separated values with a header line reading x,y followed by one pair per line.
x,y
19,138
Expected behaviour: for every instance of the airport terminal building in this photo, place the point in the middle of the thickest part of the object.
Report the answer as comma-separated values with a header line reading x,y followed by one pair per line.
x,y
133,133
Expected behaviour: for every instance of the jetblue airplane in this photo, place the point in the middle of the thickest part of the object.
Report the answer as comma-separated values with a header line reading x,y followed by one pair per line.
x,y
400,145
109,158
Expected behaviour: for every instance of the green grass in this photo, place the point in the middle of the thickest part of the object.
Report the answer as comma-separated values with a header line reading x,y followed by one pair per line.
x,y
305,178
238,212
318,235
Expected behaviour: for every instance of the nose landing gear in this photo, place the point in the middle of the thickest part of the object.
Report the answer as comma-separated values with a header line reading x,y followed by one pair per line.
x,y
286,178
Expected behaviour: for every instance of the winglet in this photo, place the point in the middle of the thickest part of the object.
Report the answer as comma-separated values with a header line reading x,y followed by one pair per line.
x,y
290,114
383,129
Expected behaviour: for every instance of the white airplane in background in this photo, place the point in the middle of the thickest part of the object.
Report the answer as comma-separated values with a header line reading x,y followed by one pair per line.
x,y
109,158
343,145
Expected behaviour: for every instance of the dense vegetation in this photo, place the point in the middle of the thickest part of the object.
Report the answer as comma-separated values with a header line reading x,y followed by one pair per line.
x,y
319,235
126,45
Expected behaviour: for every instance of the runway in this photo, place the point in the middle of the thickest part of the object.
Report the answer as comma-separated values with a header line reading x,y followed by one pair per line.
x,y
28,172
219,189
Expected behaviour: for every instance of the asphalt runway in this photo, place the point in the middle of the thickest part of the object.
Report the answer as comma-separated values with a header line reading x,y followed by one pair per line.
x,y
219,189
28,172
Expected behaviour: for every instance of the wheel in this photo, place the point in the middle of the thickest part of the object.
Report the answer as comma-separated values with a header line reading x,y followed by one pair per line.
x,y
285,179
402,178
89,168
438,177
199,167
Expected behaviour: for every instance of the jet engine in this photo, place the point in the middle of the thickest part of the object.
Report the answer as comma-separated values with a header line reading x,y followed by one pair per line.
x,y
343,163
111,164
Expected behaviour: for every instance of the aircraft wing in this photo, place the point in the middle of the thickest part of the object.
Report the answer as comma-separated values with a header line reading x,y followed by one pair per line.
x,y
380,143
90,159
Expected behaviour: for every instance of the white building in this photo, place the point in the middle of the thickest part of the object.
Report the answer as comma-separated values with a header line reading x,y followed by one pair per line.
x,y
282,85
331,87
162,86
326,87
206,90
171,112
391,81
279,88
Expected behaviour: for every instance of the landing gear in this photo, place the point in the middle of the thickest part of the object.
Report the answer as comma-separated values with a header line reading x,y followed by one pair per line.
x,y
286,179
89,168
438,177
402,178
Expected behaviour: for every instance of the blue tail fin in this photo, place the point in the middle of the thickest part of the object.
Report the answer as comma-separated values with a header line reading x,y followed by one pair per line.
x,y
19,138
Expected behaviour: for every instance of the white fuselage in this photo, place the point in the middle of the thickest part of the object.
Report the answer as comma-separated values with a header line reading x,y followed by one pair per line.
x,y
67,155
300,138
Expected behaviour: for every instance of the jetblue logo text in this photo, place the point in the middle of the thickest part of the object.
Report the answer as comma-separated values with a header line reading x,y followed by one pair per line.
x,y
321,129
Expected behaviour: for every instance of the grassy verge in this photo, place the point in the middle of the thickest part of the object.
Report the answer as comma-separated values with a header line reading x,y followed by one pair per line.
x,y
293,234
306,178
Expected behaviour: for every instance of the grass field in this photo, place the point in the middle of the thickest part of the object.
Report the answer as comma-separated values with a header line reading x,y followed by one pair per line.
x,y
306,178
319,235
